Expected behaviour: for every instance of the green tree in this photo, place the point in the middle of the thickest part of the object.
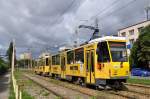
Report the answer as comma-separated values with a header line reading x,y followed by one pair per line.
x,y
9,53
3,66
140,52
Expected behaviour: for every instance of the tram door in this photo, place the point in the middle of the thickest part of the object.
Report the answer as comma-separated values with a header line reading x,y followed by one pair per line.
x,y
90,62
63,66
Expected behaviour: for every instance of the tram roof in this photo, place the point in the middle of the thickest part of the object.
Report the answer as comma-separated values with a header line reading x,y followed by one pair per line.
x,y
107,38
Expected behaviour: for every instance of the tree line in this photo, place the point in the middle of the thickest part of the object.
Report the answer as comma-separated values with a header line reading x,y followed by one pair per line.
x,y
5,64
140,52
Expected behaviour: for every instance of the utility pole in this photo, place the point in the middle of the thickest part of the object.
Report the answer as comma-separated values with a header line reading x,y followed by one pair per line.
x,y
147,12
96,23
97,27
77,38
24,61
31,58
13,58
28,58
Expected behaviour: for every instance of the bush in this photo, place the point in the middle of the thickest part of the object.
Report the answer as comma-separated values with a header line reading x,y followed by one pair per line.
x,y
3,66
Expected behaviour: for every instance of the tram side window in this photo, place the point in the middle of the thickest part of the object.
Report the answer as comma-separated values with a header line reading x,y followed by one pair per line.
x,y
70,57
102,52
79,55
47,63
57,59
53,60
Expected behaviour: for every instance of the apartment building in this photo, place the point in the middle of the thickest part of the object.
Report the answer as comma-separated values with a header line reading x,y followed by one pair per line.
x,y
132,32
25,56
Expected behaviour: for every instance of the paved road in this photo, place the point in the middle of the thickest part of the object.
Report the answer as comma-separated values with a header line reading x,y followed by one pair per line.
x,y
4,86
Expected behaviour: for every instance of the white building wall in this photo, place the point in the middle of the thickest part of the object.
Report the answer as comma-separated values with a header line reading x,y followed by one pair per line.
x,y
134,27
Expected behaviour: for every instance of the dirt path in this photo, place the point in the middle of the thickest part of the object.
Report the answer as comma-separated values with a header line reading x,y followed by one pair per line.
x,y
4,86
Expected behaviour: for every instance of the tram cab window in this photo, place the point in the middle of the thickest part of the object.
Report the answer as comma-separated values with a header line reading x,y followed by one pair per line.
x,y
118,51
102,52
79,56
70,57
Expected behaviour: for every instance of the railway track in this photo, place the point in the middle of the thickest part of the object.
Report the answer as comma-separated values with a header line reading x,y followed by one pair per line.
x,y
88,91
134,91
138,88
59,91
127,94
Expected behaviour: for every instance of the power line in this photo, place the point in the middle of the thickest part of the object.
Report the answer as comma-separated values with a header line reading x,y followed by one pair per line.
x,y
70,5
105,9
120,8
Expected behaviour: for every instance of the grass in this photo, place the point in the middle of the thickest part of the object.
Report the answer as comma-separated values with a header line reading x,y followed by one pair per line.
x,y
45,93
139,81
19,77
17,74
11,92
25,95
93,97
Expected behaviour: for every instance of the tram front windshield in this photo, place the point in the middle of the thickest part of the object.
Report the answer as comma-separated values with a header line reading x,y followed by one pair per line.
x,y
118,51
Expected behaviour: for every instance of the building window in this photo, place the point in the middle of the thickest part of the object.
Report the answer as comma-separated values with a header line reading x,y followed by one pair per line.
x,y
131,32
123,34
131,42
140,29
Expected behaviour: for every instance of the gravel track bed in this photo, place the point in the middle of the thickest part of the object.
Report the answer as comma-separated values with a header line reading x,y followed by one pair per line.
x,y
34,89
138,88
60,91
92,92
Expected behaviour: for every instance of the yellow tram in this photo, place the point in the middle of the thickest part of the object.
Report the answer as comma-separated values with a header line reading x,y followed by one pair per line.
x,y
101,62
43,65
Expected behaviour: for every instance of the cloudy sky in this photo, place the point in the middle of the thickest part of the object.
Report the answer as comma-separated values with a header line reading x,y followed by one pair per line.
x,y
46,24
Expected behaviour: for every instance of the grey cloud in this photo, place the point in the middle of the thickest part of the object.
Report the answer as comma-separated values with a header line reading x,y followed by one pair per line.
x,y
40,24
